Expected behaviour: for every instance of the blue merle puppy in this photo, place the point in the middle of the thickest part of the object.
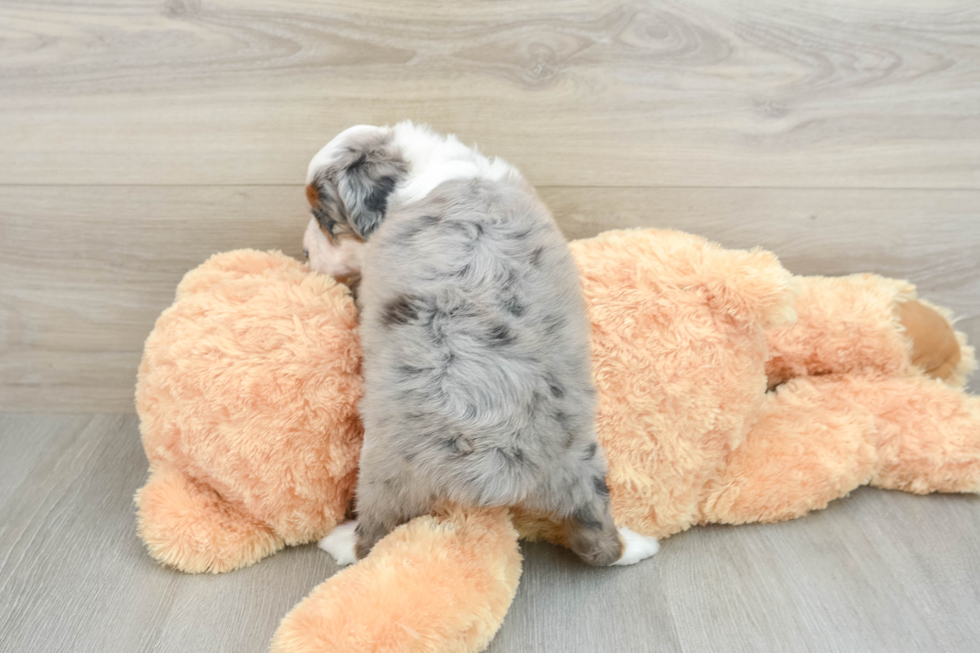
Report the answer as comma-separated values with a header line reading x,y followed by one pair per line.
x,y
477,370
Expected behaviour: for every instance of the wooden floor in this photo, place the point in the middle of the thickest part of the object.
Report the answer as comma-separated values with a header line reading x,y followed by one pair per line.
x,y
137,138
878,571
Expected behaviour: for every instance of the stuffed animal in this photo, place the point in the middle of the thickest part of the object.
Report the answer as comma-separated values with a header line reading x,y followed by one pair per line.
x,y
730,392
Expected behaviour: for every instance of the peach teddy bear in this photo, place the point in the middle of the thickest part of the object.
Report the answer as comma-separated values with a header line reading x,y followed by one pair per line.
x,y
730,392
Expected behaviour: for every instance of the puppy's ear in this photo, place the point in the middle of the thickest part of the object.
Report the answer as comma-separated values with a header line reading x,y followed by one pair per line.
x,y
328,209
352,191
365,182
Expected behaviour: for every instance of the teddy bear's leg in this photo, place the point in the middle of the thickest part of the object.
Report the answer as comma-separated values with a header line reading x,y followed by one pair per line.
x,y
808,447
927,434
866,323
819,438
189,526
437,583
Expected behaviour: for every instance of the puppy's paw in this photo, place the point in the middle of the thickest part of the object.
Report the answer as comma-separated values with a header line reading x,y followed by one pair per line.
x,y
340,543
636,547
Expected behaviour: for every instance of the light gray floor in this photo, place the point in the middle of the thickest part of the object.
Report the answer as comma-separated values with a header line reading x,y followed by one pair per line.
x,y
878,571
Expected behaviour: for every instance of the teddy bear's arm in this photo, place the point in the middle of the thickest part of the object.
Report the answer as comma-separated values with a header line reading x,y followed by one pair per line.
x,y
865,323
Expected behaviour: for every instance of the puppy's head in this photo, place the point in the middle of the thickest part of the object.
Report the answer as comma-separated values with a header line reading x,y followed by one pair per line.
x,y
347,185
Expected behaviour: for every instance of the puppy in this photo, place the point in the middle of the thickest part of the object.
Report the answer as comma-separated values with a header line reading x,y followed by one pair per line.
x,y
477,369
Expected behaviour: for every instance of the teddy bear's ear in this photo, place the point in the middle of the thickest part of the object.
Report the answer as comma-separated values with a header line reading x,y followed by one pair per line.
x,y
349,192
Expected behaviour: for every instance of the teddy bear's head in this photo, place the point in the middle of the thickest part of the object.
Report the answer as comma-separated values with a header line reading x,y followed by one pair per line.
x,y
247,396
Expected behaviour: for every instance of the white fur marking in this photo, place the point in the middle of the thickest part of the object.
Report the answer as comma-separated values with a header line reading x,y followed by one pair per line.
x,y
435,158
636,547
340,543
418,187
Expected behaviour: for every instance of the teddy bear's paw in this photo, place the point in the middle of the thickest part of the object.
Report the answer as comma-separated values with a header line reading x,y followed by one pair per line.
x,y
636,547
340,543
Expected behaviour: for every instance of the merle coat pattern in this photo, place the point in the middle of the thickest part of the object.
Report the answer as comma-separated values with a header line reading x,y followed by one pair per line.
x,y
477,368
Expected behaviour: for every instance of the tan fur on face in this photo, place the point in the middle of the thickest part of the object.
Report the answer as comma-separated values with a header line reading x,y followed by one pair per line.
x,y
312,196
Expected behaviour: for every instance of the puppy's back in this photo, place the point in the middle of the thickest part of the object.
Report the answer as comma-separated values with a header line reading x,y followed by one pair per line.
x,y
477,362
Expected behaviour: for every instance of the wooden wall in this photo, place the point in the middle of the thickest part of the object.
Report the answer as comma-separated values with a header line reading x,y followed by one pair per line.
x,y
138,138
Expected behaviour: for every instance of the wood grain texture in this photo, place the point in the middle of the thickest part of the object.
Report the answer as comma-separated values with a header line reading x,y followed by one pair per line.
x,y
826,93
82,284
73,574
879,571
138,138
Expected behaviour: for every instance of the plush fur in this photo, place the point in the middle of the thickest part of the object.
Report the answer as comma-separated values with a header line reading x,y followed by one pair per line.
x,y
247,397
438,584
686,338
